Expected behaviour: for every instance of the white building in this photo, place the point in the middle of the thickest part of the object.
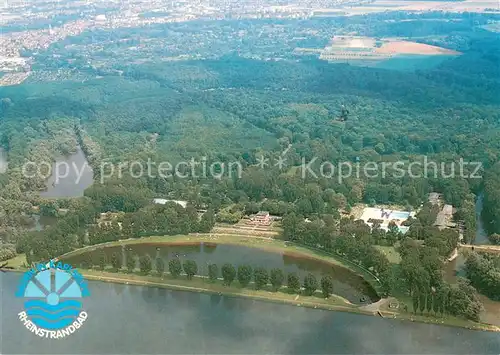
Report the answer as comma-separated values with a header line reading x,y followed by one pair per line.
x,y
384,217
161,201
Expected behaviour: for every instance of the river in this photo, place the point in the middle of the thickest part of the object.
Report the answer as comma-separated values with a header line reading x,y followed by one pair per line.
x,y
42,222
491,313
3,161
345,283
456,267
124,319
79,177
481,234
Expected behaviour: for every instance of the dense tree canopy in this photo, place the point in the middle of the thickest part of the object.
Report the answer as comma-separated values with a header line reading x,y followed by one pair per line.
x,y
226,122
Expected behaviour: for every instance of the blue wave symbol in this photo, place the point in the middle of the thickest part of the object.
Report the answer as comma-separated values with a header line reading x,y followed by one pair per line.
x,y
53,308
37,312
60,324
52,316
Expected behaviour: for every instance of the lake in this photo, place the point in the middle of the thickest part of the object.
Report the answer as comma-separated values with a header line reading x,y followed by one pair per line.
x,y
3,161
79,177
124,319
346,283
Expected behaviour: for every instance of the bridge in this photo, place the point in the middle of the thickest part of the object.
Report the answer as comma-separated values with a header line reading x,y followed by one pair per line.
x,y
483,248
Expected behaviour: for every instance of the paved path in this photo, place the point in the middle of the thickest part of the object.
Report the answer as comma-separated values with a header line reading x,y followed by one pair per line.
x,y
375,307
453,255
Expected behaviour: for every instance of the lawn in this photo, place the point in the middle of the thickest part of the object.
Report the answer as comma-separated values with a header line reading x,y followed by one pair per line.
x,y
391,254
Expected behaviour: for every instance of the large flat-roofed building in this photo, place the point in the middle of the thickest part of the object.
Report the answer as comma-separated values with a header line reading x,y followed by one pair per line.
x,y
385,216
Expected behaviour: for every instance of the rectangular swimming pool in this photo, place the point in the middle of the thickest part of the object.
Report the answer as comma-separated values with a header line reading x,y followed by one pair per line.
x,y
400,215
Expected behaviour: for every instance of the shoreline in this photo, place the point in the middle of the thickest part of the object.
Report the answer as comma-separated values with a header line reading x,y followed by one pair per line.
x,y
262,243
279,298
232,291
334,303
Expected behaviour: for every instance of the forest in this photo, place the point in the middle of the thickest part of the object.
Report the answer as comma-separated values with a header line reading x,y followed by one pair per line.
x,y
231,108
491,211
484,272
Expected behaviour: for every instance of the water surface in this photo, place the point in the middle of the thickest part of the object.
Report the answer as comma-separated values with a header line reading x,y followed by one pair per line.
x,y
346,283
79,177
124,319
481,234
3,161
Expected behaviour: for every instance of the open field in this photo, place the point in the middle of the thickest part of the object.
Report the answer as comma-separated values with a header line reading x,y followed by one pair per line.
x,y
480,6
355,48
245,230
406,47
243,227
458,6
391,254
17,262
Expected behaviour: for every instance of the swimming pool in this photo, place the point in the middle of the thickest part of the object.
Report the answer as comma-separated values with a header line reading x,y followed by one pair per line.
x,y
403,229
400,215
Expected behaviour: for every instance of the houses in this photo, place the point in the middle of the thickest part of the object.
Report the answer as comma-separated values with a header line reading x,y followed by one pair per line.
x,y
262,218
434,198
162,201
444,218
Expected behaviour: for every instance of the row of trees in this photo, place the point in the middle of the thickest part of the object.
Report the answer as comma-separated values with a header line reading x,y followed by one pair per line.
x,y
244,274
83,225
420,275
483,271
494,238
145,264
422,228
348,237
491,202
457,300
168,219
